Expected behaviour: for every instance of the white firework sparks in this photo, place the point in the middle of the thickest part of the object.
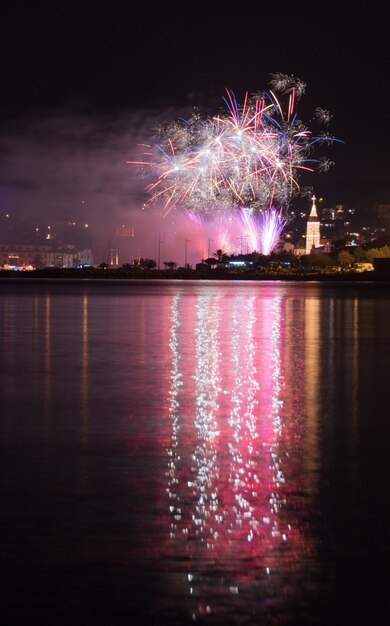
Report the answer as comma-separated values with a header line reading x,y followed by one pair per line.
x,y
248,158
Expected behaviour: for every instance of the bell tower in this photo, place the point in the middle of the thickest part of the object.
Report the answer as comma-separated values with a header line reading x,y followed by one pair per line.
x,y
313,228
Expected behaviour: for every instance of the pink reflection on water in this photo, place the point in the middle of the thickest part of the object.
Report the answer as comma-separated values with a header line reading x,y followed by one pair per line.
x,y
237,442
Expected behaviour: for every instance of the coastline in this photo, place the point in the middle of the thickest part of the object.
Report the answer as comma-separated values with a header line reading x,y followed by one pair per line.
x,y
92,274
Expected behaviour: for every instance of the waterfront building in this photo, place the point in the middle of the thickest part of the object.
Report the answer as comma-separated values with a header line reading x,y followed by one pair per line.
x,y
19,255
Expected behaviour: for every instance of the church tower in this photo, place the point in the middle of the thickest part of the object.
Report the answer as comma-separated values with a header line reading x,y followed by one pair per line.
x,y
313,229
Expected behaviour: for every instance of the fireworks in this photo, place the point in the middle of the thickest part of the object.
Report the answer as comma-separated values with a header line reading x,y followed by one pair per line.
x,y
264,229
244,162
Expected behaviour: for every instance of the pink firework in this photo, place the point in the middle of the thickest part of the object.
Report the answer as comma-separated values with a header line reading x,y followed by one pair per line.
x,y
264,229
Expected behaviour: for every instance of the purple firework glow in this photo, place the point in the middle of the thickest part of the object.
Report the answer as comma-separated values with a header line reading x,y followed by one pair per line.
x,y
264,229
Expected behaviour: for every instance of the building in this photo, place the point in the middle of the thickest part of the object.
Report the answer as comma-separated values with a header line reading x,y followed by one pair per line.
x,y
300,248
20,255
70,256
313,229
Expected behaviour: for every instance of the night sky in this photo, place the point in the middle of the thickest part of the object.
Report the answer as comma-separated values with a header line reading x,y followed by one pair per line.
x,y
109,60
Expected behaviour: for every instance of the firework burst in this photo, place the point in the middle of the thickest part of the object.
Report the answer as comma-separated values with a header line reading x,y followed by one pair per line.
x,y
246,160
264,229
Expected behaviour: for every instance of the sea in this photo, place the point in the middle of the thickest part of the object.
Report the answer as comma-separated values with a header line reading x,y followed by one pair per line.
x,y
180,452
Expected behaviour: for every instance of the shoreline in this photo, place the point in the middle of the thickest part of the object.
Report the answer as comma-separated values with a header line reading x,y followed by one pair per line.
x,y
90,275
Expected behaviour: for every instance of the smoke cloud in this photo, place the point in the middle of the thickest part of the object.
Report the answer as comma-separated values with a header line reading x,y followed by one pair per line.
x,y
61,167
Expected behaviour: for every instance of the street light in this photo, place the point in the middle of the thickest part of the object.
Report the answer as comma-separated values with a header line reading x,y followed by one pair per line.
x,y
159,247
241,239
185,256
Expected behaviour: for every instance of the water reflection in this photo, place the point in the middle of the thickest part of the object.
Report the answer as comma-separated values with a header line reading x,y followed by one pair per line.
x,y
84,373
313,355
47,370
206,452
243,447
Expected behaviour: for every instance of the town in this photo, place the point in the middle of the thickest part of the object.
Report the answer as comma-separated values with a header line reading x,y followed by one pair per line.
x,y
322,239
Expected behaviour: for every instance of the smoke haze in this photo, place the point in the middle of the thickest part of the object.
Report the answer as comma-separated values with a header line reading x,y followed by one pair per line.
x,y
59,167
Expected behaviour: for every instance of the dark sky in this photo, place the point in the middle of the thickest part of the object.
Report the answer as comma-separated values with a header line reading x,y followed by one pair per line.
x,y
118,55
110,58
127,53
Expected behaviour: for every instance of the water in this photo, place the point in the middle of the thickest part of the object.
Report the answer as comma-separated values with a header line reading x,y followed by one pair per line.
x,y
181,452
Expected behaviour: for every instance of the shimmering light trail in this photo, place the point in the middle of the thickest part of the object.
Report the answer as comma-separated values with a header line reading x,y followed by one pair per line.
x,y
173,451
237,450
249,157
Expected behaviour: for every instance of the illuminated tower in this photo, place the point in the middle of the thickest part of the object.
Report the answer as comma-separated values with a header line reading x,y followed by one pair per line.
x,y
313,229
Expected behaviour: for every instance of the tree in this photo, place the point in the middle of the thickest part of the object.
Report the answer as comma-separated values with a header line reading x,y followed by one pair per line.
x,y
171,265
360,255
147,263
315,260
320,260
285,255
220,255
378,253
345,259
